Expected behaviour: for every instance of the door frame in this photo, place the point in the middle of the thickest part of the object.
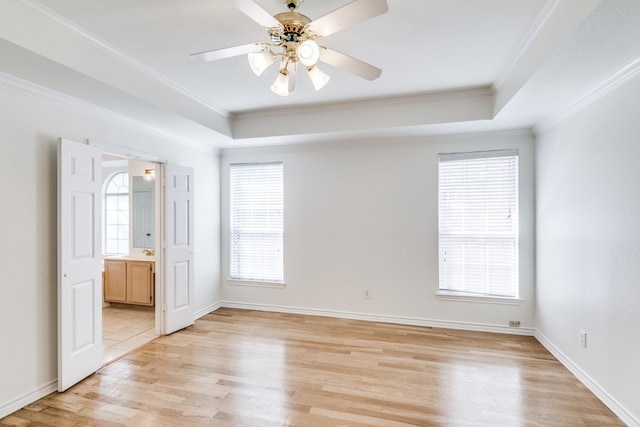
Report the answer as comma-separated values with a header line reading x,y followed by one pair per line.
x,y
160,282
180,230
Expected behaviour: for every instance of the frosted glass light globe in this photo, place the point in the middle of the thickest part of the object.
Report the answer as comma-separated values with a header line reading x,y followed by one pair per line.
x,y
309,53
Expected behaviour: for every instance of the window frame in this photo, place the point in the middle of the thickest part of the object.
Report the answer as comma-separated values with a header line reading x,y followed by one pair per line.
x,y
105,211
468,296
262,281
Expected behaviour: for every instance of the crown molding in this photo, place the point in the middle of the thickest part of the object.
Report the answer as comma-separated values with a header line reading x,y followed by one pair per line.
x,y
619,78
27,88
96,42
541,21
554,26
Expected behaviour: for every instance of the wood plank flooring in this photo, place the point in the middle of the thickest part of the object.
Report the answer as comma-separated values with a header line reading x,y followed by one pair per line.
x,y
251,368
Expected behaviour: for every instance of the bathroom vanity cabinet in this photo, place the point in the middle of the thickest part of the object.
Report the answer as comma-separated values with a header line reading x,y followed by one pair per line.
x,y
129,281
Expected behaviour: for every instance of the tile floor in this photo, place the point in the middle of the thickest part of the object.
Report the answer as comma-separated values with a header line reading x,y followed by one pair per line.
x,y
125,327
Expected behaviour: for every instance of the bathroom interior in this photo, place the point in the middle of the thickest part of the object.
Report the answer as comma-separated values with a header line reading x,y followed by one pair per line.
x,y
131,226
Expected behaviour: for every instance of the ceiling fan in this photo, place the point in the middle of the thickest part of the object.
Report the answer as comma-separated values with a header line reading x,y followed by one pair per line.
x,y
293,38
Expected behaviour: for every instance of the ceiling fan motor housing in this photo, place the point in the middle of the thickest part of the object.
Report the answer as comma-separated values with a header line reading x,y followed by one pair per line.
x,y
293,24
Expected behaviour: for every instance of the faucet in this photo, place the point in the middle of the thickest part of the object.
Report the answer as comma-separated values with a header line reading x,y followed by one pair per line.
x,y
149,252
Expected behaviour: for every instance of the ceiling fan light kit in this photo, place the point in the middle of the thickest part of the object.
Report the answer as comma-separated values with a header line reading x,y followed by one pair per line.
x,y
293,38
309,53
281,85
318,78
260,61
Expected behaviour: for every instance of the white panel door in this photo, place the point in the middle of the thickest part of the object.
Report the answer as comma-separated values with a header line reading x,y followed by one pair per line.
x,y
79,262
179,296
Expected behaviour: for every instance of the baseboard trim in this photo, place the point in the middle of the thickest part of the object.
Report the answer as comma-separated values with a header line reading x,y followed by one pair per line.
x,y
209,309
592,385
22,401
401,320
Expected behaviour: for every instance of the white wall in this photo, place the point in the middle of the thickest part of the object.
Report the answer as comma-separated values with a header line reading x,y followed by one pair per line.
x,y
364,216
588,245
29,128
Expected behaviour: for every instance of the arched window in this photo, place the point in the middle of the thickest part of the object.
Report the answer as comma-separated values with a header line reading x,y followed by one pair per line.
x,y
116,215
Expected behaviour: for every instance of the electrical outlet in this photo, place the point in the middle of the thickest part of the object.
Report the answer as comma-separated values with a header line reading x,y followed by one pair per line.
x,y
367,294
514,323
583,338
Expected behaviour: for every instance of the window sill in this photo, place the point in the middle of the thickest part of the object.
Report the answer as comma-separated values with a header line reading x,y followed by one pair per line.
x,y
257,284
450,296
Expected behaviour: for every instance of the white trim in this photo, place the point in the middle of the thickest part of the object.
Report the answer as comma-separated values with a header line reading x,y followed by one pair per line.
x,y
113,163
28,398
257,284
400,320
95,41
121,150
541,21
591,384
27,88
481,154
620,77
446,296
208,309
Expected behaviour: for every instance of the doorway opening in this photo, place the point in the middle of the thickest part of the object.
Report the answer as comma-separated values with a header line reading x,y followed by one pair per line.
x,y
81,262
130,234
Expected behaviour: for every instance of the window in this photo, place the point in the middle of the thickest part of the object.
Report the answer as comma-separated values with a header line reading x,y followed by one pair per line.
x,y
116,215
478,223
257,222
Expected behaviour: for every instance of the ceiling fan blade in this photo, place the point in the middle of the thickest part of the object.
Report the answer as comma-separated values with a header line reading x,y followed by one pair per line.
x,y
214,55
348,63
353,13
257,13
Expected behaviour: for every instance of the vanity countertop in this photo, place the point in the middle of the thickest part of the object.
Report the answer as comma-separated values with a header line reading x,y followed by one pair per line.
x,y
134,257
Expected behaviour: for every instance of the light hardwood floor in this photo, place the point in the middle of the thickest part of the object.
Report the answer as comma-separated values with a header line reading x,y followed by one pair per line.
x,y
250,368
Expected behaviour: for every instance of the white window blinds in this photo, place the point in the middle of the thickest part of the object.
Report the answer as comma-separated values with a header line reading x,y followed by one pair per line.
x,y
478,222
257,222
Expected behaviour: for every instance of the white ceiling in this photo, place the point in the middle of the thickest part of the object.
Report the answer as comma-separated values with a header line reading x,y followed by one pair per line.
x,y
448,66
